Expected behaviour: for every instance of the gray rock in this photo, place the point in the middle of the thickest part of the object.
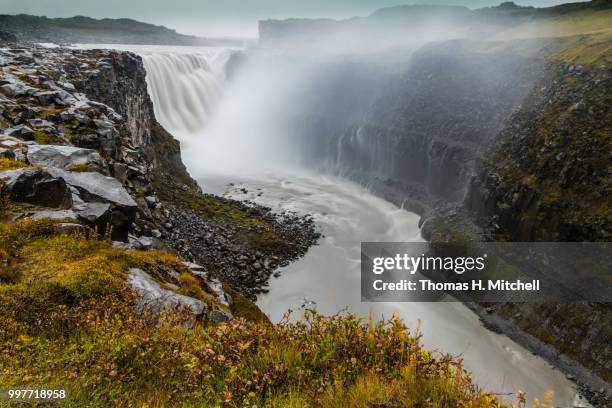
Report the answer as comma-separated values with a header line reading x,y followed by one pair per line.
x,y
47,97
56,215
145,242
65,157
35,186
96,215
22,132
96,185
9,141
67,86
60,97
17,89
120,171
194,267
151,201
6,153
219,316
66,116
158,299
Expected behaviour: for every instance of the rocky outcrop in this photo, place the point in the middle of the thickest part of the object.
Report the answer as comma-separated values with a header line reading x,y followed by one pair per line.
x,y
156,299
548,178
83,122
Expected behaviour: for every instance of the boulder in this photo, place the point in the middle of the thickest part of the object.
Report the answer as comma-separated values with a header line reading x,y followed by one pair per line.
x,y
65,157
17,89
157,299
96,215
95,187
220,316
35,186
22,132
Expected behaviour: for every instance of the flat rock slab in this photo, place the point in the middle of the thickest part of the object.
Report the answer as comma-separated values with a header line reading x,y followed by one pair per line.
x,y
65,157
97,185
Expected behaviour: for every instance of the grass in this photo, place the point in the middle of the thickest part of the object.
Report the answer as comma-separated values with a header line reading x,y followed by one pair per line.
x,y
571,24
81,168
42,137
582,37
11,164
69,321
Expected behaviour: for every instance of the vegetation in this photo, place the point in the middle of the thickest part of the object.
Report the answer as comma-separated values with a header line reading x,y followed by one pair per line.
x,y
11,164
68,320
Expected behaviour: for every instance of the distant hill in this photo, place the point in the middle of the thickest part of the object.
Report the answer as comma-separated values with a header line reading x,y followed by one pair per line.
x,y
410,21
88,30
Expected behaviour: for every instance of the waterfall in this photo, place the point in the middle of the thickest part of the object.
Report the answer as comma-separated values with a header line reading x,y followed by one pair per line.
x,y
185,88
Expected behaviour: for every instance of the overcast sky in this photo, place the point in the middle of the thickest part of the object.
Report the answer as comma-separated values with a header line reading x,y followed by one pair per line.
x,y
223,17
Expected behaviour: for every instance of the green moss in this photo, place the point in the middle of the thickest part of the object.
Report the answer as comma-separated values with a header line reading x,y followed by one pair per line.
x,y
443,229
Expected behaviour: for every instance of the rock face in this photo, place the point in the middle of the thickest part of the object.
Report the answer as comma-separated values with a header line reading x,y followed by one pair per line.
x,y
425,134
546,178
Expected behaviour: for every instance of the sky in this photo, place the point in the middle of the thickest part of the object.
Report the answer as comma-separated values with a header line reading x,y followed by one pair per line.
x,y
223,18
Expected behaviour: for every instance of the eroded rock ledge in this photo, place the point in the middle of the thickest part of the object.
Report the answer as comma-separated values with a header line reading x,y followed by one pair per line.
x,y
81,145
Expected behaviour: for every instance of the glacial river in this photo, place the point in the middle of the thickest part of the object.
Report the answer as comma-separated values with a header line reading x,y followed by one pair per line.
x,y
328,279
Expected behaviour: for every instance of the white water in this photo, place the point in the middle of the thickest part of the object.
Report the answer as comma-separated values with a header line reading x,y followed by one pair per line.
x,y
216,150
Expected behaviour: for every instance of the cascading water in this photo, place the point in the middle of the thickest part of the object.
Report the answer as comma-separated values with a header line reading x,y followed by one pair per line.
x,y
185,88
